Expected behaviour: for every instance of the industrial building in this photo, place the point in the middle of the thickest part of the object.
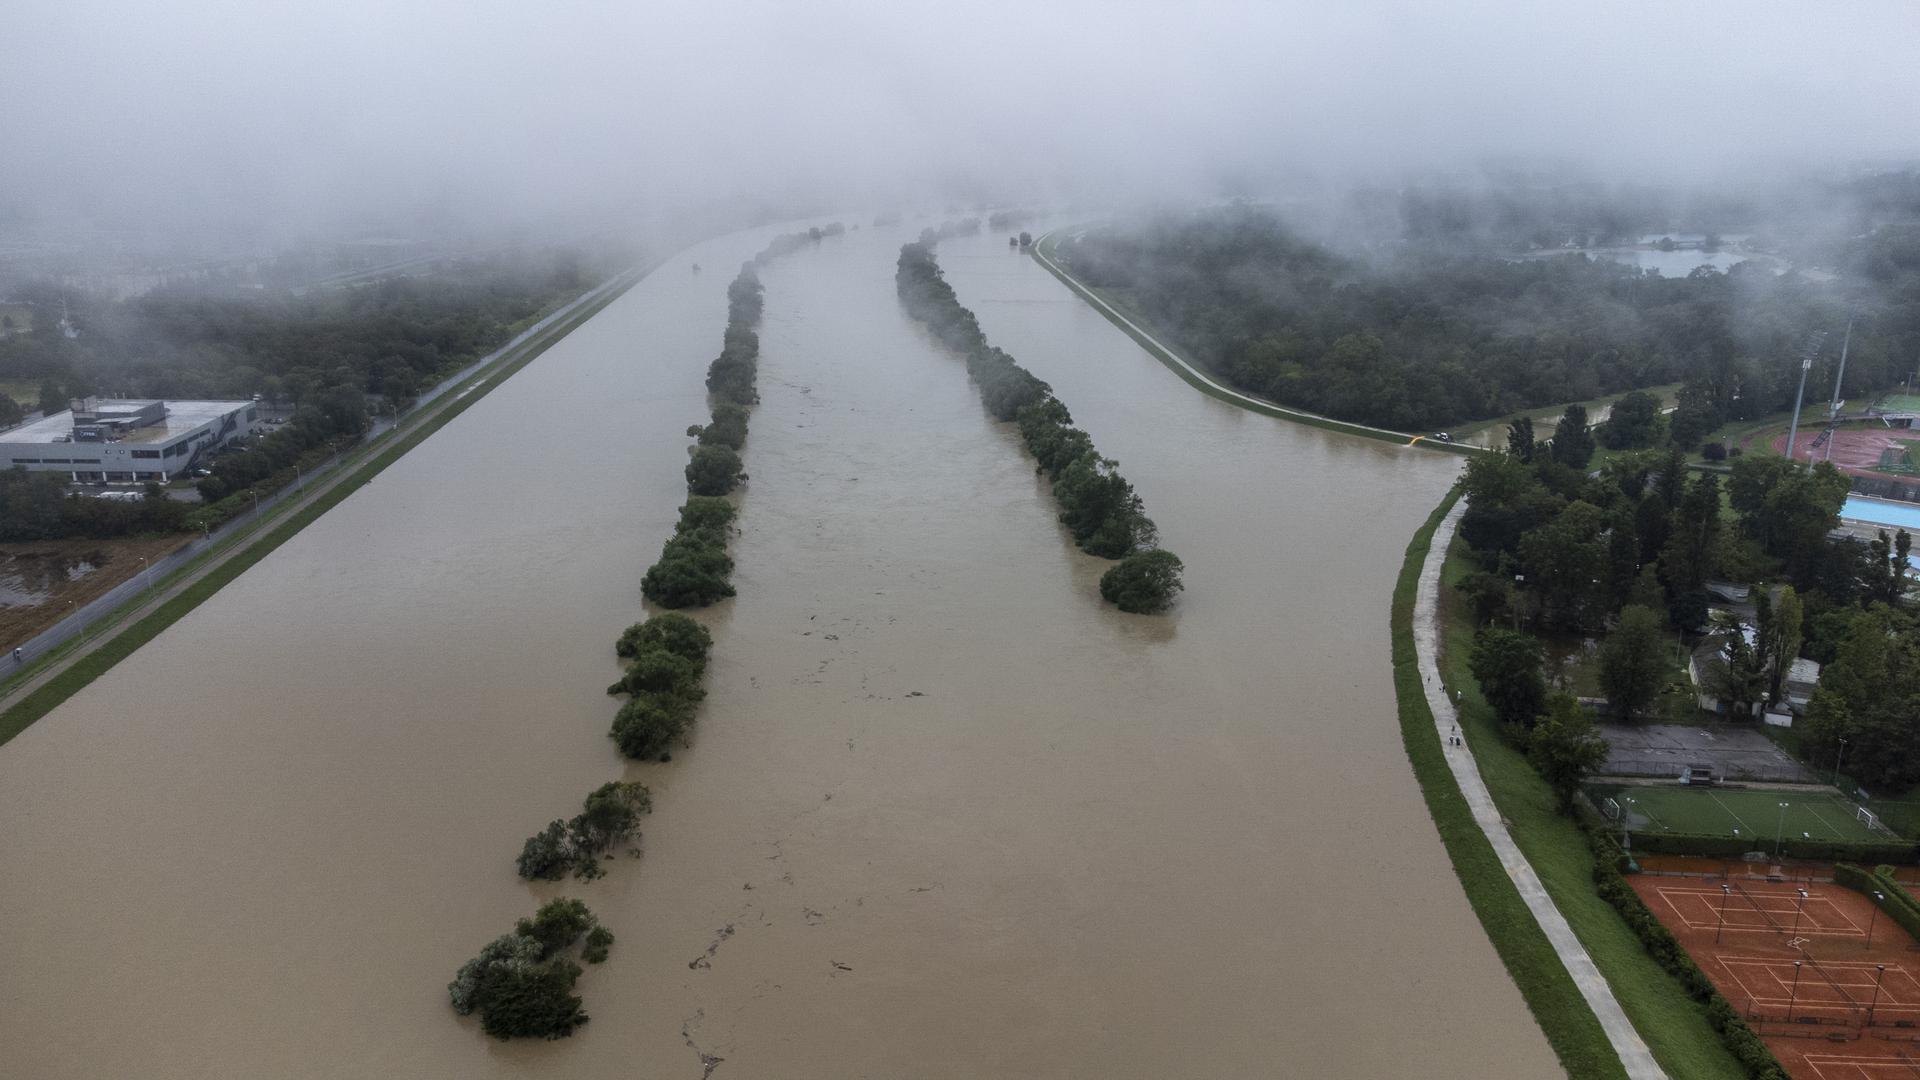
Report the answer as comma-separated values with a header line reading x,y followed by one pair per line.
x,y
116,440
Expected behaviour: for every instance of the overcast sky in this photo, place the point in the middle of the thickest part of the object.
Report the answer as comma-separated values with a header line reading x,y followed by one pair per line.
x,y
289,116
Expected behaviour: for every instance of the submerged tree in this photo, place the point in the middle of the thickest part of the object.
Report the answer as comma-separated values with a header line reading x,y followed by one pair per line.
x,y
522,983
1144,582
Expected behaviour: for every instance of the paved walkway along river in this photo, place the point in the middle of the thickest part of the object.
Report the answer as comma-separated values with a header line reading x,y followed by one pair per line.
x,y
944,814
1593,986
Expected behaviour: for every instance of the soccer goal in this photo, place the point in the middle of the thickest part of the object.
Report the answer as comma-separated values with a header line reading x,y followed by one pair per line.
x,y
1870,819
1610,808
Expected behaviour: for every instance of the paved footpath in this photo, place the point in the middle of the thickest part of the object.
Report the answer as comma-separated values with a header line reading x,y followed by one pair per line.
x,y
1426,639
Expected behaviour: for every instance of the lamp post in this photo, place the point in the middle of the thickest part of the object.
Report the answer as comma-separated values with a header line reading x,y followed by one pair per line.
x,y
256,513
1878,899
1725,891
1838,755
1793,994
1880,974
1626,816
1779,830
1797,909
146,570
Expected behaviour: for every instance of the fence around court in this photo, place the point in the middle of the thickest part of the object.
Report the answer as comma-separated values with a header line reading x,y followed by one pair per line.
x,y
1729,822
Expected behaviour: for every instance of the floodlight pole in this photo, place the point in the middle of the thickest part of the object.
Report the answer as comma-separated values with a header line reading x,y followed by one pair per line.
x,y
1779,830
1798,908
1880,974
1838,756
1793,994
1725,891
1806,364
1878,899
1833,410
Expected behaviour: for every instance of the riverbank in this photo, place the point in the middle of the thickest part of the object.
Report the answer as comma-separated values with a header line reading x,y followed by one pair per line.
x,y
66,669
1568,1022
1673,1027
1132,325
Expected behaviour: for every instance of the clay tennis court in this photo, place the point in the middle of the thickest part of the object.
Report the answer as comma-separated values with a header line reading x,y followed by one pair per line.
x,y
1827,981
1850,1067
1758,908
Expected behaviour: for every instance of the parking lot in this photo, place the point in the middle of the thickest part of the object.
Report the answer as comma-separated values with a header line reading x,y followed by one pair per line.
x,y
1733,752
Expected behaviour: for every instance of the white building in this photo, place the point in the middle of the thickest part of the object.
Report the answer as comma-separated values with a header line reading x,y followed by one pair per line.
x,y
124,441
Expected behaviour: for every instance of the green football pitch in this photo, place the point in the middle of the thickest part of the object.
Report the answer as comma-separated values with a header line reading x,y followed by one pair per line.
x,y
1901,402
1708,811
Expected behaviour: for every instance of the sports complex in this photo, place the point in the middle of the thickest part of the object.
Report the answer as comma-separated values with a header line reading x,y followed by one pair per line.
x,y
1763,819
1829,981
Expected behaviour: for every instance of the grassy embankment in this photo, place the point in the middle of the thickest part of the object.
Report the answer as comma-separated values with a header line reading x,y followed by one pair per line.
x,y
279,526
1186,375
1547,417
1563,1015
1674,1026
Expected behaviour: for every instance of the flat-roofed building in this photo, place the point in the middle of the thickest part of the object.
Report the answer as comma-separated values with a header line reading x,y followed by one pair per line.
x,y
118,440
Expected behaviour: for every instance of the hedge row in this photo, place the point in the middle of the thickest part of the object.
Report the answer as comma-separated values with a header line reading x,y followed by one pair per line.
x,y
1666,950
694,569
1097,505
666,664
1887,894
1733,847
667,655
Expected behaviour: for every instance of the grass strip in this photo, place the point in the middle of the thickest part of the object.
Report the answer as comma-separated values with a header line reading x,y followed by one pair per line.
x,y
1675,1027
105,654
1557,1005
1186,374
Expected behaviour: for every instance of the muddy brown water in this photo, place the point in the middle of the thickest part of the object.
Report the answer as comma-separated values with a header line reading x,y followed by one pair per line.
x,y
945,815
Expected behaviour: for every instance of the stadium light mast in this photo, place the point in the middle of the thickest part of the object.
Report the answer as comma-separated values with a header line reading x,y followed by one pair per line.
x,y
1833,410
1806,364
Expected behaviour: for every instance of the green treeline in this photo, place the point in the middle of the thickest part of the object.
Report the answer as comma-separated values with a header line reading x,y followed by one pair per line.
x,y
1097,505
292,345
1428,337
694,569
522,983
36,506
666,662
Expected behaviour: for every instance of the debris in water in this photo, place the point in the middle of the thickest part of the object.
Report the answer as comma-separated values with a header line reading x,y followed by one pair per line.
x,y
705,959
839,966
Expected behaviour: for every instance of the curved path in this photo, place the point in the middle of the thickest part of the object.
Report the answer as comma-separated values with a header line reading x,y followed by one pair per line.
x,y
1194,375
1633,1051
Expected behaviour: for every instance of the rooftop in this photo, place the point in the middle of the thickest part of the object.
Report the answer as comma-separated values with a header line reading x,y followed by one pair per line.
x,y
182,417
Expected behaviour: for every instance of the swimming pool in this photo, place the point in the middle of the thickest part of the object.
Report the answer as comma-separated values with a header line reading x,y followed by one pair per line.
x,y
1899,515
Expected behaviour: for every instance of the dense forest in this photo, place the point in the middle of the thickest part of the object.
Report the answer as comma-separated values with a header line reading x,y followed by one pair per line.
x,y
1627,550
393,337
1427,336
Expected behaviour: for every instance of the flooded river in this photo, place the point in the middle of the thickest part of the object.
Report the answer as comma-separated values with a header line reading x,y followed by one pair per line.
x,y
944,816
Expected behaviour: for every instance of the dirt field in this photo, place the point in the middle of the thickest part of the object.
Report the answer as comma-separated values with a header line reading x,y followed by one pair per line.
x,y
41,582
1856,451
1830,984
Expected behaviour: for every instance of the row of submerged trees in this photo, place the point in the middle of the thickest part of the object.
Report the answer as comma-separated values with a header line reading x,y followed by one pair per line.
x,y
521,984
1097,505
